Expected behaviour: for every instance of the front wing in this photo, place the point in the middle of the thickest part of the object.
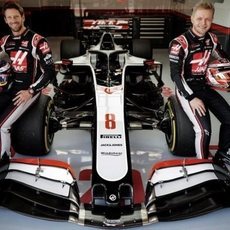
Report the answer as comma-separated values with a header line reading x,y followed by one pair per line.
x,y
176,189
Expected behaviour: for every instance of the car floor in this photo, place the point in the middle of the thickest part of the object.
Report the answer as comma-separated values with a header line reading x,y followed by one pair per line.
x,y
147,148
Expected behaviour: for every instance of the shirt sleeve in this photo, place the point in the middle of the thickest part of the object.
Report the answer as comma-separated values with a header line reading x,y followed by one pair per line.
x,y
177,56
46,63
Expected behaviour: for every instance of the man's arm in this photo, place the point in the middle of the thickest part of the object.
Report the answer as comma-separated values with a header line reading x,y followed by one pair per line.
x,y
44,55
177,57
177,54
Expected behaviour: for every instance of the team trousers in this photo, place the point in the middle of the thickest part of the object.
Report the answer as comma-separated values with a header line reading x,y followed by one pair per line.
x,y
215,103
9,113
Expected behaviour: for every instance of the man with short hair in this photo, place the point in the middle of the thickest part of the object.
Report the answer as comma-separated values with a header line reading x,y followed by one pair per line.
x,y
32,70
190,54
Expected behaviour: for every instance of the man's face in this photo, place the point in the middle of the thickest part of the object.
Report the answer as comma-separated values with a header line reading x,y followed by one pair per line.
x,y
14,20
201,21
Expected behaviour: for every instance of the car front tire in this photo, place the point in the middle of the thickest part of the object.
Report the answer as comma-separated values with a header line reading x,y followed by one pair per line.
x,y
180,136
31,133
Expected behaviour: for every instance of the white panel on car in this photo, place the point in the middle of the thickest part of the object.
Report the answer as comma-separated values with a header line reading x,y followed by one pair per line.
x,y
111,161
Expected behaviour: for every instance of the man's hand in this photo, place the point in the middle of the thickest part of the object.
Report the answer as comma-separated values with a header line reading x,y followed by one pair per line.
x,y
198,105
22,97
47,90
166,91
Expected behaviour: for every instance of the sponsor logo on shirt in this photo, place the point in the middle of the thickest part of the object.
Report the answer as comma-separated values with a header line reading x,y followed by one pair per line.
x,y
175,49
19,61
44,47
24,43
200,62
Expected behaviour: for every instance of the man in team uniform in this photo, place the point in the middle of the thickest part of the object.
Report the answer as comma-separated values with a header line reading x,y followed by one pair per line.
x,y
190,54
32,69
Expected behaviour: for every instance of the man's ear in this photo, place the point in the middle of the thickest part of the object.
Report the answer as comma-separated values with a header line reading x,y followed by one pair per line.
x,y
23,18
191,18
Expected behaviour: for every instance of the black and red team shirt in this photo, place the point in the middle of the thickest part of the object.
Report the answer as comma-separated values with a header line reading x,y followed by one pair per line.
x,y
189,57
31,60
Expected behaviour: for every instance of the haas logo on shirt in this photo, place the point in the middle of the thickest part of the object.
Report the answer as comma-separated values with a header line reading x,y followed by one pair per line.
x,y
199,62
19,61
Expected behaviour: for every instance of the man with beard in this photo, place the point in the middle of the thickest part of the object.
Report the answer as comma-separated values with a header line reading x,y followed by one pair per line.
x,y
32,70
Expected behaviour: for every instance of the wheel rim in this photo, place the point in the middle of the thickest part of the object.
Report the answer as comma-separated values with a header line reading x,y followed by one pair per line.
x,y
171,136
48,135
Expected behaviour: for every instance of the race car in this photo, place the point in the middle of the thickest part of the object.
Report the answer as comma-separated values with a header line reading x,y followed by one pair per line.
x,y
128,69
109,89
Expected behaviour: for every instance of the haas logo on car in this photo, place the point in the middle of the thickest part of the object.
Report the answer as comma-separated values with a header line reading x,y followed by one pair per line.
x,y
108,90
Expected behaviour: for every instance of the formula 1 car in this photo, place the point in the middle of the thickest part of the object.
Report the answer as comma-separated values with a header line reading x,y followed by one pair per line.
x,y
109,90
128,69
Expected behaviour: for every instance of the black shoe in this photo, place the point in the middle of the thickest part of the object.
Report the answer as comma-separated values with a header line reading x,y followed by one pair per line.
x,y
5,159
222,159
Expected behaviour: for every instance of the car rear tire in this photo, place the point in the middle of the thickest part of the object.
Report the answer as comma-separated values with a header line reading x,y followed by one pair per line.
x,y
180,136
142,48
70,48
31,133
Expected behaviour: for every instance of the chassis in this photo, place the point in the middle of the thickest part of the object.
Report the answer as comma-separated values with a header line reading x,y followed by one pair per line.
x,y
109,90
85,71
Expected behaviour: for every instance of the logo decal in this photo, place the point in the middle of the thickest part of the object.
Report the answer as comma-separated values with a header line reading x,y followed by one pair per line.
x,y
199,63
111,153
175,49
19,61
24,43
108,91
109,136
44,47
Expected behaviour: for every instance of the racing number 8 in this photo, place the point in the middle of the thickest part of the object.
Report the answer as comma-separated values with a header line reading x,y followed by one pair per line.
x,y
110,122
